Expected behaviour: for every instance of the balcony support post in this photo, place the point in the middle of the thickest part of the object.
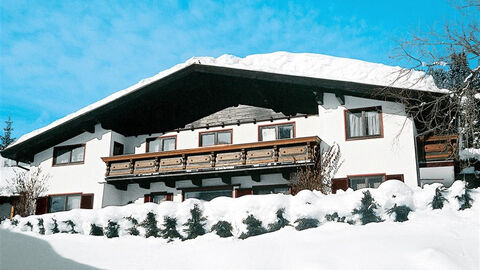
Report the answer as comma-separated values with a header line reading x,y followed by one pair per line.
x,y
275,153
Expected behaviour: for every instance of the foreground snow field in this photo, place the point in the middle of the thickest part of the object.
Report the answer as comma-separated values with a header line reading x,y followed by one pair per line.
x,y
431,239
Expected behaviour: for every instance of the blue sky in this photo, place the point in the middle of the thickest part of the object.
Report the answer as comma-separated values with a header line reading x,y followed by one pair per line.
x,y
59,56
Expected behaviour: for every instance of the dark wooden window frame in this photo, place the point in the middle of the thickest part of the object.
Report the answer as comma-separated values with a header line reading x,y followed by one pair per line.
x,y
216,136
71,147
232,187
260,139
66,195
374,108
260,187
148,140
383,175
150,196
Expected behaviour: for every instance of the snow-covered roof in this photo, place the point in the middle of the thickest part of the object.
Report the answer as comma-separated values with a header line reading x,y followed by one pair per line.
x,y
296,64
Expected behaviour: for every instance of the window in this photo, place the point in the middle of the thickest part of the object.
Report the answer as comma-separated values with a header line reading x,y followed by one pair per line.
x,y
276,132
64,202
270,190
363,123
68,154
161,144
117,149
216,137
372,181
207,195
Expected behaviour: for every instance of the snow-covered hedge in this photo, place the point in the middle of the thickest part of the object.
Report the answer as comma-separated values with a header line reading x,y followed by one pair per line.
x,y
304,205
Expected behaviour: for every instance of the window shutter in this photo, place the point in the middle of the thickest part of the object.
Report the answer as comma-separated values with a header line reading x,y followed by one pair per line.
x,y
147,198
42,206
242,192
395,177
87,201
339,183
169,197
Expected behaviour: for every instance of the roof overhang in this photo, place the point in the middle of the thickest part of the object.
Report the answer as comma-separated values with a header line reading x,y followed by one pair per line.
x,y
188,95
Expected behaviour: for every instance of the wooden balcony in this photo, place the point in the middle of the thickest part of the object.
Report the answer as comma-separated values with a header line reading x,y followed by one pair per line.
x,y
437,148
213,158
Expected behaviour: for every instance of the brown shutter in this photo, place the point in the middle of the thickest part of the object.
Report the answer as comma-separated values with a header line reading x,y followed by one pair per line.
x,y
339,183
242,192
147,198
87,201
42,206
169,197
395,176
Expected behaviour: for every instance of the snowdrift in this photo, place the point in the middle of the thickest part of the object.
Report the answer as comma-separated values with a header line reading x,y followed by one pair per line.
x,y
306,204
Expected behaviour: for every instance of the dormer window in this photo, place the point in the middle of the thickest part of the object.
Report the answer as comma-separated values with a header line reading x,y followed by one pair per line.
x,y
70,154
161,144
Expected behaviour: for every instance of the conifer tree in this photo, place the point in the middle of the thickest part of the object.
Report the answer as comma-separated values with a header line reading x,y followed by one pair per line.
x,y
465,199
195,224
306,223
334,217
70,224
150,225
254,227
170,229
133,230
280,222
96,230
6,139
41,227
30,225
223,228
14,222
55,226
367,209
112,229
438,198
401,212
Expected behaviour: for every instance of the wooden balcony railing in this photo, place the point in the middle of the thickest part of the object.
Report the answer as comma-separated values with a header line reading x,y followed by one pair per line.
x,y
213,157
437,148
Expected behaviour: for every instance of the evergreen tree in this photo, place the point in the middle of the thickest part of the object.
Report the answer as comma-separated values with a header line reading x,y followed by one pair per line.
x,y
112,229
438,198
150,225
170,229
254,227
195,224
223,228
41,228
465,199
133,230
55,226
14,222
334,217
6,139
306,223
30,225
70,224
401,212
281,221
96,230
367,209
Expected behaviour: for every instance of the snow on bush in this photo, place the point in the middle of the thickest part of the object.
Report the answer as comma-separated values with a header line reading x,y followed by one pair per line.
x,y
306,205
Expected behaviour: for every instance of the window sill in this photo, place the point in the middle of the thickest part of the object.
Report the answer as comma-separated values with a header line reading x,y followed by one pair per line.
x,y
68,164
365,138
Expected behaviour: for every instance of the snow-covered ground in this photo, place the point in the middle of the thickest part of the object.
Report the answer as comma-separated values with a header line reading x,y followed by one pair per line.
x,y
430,239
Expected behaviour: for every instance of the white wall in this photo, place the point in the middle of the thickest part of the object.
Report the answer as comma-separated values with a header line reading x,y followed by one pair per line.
x,y
86,177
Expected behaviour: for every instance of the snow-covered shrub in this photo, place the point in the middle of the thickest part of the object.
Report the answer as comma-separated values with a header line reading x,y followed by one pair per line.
x,y
439,198
254,227
41,227
96,230
54,228
150,225
401,212
14,222
195,224
223,228
133,230
112,229
334,217
367,209
71,226
29,225
306,223
465,200
280,222
170,229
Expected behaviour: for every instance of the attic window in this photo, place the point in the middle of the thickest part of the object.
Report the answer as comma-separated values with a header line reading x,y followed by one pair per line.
x,y
215,137
71,154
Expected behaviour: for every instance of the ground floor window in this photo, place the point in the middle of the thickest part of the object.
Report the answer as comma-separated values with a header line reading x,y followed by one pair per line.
x,y
207,194
64,202
270,190
370,181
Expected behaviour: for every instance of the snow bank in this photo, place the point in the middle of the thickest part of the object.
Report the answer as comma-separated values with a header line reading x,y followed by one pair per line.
x,y
469,153
297,64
